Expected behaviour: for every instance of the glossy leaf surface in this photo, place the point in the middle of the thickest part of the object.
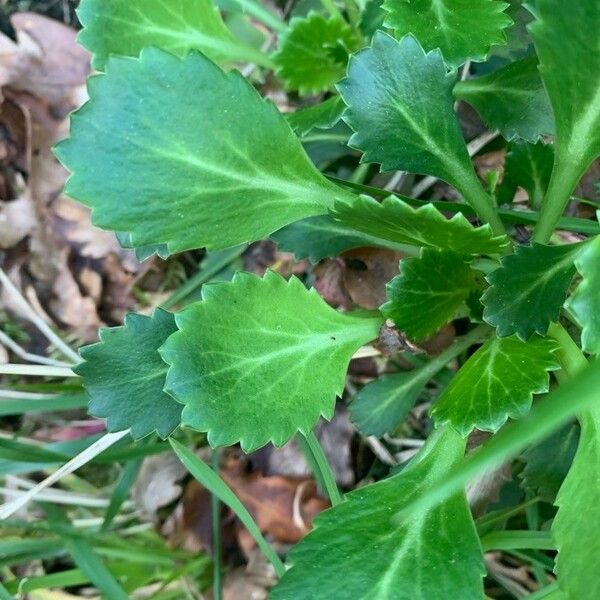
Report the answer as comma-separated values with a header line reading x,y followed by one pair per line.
x,y
115,27
266,367
529,289
429,291
512,100
313,53
585,301
497,382
400,105
395,220
322,237
462,29
414,560
576,527
566,41
178,146
124,376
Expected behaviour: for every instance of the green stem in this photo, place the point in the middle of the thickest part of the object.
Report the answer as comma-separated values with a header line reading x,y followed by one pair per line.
x,y
215,485
468,185
563,181
331,7
260,13
547,592
353,13
571,357
360,173
215,508
321,467
517,540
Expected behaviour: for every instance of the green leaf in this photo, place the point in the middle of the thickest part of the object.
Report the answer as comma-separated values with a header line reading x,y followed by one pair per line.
x,y
584,304
400,106
323,116
414,560
576,527
529,289
384,403
114,27
178,147
511,99
462,29
397,221
259,359
429,291
322,237
570,67
547,464
313,52
528,166
124,376
518,40
497,382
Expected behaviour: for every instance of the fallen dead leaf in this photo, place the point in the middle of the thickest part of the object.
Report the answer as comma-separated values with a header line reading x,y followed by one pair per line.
x,y
157,484
46,61
329,282
366,273
17,220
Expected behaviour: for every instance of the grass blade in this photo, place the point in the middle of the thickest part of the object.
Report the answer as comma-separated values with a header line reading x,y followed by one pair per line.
x,y
215,485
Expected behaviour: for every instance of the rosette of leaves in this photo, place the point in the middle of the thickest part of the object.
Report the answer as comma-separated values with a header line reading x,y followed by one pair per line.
x,y
175,151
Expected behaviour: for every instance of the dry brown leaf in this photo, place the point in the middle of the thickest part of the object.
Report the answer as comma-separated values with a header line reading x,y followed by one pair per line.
x,y
329,283
283,507
157,484
72,308
17,220
46,61
366,273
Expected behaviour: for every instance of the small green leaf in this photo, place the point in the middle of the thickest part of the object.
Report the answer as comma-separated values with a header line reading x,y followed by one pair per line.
x,y
511,99
566,40
323,116
397,221
529,289
528,166
584,304
547,463
380,559
259,359
178,147
313,52
576,527
429,291
497,382
322,237
124,376
400,106
384,403
462,29
178,26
